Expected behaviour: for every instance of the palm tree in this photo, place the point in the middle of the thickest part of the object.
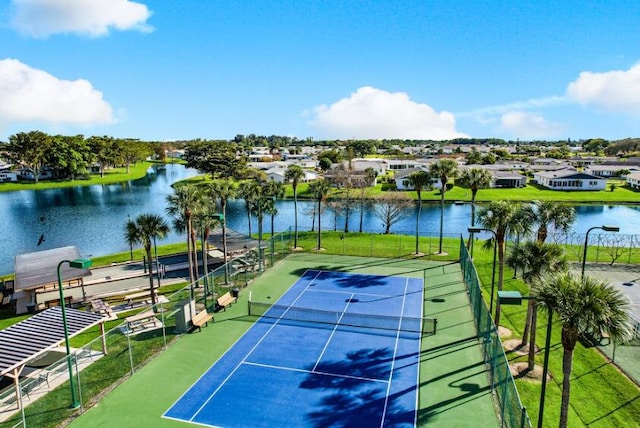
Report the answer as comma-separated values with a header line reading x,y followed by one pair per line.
x,y
248,190
475,179
273,190
419,180
501,217
548,213
537,258
444,169
294,174
584,307
224,190
180,206
319,189
144,229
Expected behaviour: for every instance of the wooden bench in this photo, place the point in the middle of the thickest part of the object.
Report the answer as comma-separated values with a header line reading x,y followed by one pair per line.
x,y
135,297
225,300
56,302
200,319
99,306
141,320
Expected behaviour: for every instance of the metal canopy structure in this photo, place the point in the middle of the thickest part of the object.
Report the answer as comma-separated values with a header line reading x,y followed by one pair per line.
x,y
34,270
236,241
32,337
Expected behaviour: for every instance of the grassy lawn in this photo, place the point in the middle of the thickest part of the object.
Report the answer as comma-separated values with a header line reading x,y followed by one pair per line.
x,y
601,396
111,176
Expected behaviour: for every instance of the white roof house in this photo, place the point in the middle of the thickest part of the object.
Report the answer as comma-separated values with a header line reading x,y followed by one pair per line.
x,y
610,170
633,180
569,179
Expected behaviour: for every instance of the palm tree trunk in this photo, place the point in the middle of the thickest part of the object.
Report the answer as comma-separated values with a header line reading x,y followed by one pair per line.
x,y
194,244
147,248
532,339
527,322
189,252
295,218
441,218
568,342
319,227
418,224
501,245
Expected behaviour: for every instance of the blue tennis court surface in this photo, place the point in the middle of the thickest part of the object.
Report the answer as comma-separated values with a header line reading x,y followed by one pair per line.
x,y
286,372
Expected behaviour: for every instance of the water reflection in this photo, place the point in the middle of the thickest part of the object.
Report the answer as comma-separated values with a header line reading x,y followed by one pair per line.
x,y
93,217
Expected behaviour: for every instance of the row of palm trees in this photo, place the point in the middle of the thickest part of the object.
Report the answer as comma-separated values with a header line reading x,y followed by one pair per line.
x,y
583,305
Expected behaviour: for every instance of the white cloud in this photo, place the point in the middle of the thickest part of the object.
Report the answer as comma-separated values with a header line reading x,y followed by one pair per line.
x,y
31,95
523,124
612,90
377,114
41,18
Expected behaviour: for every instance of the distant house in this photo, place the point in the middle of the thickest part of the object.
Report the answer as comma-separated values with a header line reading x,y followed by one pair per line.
x,y
633,180
569,179
508,179
610,170
6,174
402,179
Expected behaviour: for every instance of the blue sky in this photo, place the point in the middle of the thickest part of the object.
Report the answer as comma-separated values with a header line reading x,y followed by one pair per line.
x,y
164,70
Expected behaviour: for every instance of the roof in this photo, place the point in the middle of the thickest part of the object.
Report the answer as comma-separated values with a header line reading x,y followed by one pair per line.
x,y
34,270
29,338
236,241
568,174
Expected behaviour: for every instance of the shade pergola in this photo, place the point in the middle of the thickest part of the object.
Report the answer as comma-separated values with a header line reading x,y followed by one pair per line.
x,y
236,242
32,337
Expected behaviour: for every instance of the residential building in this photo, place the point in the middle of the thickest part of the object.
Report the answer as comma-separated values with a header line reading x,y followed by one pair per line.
x,y
569,179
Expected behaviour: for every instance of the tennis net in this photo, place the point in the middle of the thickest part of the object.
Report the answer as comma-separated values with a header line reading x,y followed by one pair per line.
x,y
384,322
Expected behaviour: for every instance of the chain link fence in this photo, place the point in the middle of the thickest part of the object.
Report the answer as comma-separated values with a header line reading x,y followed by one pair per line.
x,y
512,413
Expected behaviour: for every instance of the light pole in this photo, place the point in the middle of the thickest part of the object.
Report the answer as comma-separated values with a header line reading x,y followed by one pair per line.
x,y
586,243
76,264
515,298
473,230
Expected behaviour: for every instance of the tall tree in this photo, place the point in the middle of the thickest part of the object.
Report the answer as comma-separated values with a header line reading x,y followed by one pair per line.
x,y
294,174
31,149
537,259
273,190
224,190
144,229
391,208
218,158
419,180
475,179
319,189
584,307
444,169
548,213
249,190
180,206
500,217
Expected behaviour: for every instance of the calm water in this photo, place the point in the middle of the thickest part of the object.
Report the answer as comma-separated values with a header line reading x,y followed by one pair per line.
x,y
92,218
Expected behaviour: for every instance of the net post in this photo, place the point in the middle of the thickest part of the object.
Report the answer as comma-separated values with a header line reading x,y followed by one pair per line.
x,y
249,304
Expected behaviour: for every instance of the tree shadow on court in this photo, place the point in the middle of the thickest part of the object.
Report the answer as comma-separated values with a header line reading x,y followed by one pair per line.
x,y
356,390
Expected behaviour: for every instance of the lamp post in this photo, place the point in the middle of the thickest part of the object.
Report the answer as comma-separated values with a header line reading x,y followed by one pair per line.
x,y
493,270
586,243
76,264
515,298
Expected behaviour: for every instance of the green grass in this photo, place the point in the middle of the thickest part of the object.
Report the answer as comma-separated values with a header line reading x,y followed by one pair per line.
x,y
601,396
111,176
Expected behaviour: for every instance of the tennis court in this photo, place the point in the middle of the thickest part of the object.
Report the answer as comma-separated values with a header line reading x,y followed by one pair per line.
x,y
337,349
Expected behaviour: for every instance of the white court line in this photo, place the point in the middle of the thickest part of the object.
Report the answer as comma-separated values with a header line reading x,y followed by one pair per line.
x,y
326,345
315,372
395,353
246,356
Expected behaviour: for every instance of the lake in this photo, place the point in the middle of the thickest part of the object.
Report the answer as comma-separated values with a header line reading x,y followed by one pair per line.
x,y
92,218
